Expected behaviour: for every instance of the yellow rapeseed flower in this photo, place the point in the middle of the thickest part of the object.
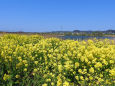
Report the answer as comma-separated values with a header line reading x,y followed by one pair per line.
x,y
76,64
91,70
44,85
25,69
6,77
35,70
98,65
17,76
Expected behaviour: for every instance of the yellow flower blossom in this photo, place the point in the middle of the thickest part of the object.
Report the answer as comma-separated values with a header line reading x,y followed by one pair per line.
x,y
17,76
91,70
98,65
6,77
66,83
35,70
44,85
76,64
25,69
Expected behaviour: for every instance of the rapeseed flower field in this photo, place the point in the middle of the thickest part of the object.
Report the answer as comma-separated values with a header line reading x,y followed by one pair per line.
x,y
35,61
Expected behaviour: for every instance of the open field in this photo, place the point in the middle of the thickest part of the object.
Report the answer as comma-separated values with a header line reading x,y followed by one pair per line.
x,y
45,35
31,60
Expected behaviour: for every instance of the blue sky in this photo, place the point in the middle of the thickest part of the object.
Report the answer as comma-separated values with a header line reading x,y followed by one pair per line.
x,y
52,15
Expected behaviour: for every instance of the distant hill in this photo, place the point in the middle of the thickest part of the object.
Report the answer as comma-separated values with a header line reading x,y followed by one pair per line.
x,y
63,32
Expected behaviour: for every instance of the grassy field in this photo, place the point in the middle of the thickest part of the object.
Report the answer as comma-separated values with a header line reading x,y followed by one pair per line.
x,y
32,60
